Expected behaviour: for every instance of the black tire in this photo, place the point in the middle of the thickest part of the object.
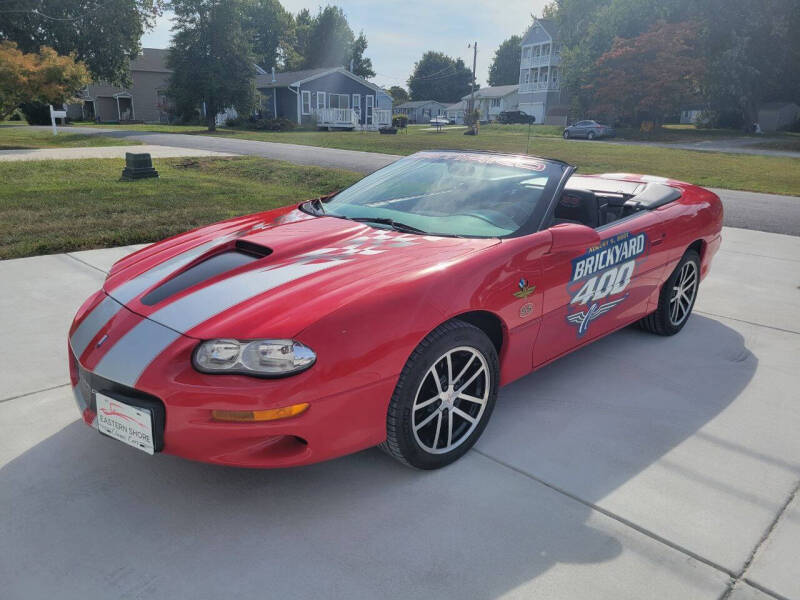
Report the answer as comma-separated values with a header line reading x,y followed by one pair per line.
x,y
590,135
402,442
661,322
566,134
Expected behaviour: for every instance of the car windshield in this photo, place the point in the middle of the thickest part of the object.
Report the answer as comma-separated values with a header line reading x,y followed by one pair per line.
x,y
467,194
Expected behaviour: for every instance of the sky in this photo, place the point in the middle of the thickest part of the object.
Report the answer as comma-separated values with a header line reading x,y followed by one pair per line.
x,y
399,33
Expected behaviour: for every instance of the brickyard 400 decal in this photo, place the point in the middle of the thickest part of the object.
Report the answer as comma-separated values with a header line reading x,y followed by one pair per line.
x,y
602,272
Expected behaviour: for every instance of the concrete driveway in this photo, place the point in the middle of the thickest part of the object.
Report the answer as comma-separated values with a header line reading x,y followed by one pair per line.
x,y
638,467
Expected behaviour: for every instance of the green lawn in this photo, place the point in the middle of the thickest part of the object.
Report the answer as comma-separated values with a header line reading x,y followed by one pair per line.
x,y
59,206
776,175
22,137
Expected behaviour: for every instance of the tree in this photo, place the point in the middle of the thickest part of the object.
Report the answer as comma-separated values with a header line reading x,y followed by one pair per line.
x,y
326,40
210,57
651,75
270,27
439,77
504,69
44,77
103,34
399,95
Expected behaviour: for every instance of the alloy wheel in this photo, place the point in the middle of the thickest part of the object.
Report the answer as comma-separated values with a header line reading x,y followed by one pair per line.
x,y
450,400
683,293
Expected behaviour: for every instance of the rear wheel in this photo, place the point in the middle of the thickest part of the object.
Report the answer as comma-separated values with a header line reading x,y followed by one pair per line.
x,y
677,297
590,135
444,397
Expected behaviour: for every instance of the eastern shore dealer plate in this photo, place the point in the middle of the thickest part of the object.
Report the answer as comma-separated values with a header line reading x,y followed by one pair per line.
x,y
126,423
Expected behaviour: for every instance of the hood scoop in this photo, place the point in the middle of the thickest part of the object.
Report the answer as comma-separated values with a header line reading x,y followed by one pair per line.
x,y
242,253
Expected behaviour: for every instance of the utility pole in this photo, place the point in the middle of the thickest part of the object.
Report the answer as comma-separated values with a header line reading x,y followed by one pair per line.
x,y
472,93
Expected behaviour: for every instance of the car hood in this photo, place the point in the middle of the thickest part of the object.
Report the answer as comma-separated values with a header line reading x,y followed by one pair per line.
x,y
272,274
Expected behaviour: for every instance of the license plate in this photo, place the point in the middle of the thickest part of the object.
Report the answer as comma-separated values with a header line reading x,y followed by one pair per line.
x,y
128,424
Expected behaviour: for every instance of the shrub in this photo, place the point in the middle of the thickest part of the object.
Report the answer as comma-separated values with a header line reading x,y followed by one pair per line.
x,y
234,122
400,121
279,124
36,113
15,116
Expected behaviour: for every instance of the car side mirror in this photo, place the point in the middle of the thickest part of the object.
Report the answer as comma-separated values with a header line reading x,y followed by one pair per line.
x,y
573,237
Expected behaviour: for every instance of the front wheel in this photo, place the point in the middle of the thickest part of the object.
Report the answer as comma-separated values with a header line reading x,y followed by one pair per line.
x,y
676,300
566,134
443,398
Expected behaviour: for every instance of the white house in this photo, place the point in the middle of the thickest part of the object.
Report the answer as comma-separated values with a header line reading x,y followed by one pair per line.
x,y
491,101
456,112
420,111
540,93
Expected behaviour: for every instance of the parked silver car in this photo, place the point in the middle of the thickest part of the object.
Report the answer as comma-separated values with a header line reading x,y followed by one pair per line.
x,y
588,130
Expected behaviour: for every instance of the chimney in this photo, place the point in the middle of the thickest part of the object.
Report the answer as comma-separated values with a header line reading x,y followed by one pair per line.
x,y
273,74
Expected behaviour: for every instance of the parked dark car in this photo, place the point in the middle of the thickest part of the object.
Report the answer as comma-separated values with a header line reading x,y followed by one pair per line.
x,y
589,130
515,116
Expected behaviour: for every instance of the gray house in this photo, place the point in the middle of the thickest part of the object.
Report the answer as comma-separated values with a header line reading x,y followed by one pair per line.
x,y
421,111
330,97
777,115
491,101
540,91
145,100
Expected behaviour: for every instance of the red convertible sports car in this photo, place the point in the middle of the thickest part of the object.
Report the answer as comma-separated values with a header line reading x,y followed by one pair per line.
x,y
387,314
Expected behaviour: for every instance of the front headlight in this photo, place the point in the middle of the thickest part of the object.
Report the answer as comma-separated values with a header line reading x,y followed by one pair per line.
x,y
265,358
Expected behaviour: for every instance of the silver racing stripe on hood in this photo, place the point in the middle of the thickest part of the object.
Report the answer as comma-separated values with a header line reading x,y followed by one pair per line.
x,y
92,324
137,285
189,311
126,360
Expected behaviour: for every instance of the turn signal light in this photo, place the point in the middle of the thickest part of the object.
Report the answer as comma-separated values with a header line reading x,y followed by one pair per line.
x,y
252,416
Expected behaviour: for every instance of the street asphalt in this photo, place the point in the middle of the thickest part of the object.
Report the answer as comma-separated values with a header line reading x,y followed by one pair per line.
x,y
747,210
637,467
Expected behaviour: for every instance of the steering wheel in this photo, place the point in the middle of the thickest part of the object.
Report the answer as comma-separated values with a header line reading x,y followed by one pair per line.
x,y
493,217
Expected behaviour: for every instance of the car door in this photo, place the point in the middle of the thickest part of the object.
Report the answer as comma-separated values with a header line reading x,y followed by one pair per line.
x,y
595,281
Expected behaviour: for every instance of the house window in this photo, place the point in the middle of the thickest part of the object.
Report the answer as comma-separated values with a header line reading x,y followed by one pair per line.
x,y
526,76
537,50
526,52
306,102
338,101
546,50
495,102
357,104
320,100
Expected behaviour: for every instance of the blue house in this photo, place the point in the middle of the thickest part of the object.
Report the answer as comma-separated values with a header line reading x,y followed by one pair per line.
x,y
331,97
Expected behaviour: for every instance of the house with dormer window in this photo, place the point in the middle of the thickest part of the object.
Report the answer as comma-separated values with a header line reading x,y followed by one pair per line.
x,y
540,92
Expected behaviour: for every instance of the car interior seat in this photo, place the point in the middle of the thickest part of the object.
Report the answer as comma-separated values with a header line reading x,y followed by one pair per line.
x,y
578,206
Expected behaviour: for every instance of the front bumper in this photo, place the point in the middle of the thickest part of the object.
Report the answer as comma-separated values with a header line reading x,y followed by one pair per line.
x,y
347,411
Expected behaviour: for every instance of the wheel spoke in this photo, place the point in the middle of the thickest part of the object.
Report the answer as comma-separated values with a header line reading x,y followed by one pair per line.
x,y
449,370
463,415
463,370
470,398
449,428
438,429
426,420
427,402
438,383
470,380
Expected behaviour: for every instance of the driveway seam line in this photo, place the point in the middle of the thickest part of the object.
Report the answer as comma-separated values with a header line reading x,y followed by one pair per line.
x,y
761,255
764,537
47,389
75,258
622,520
702,312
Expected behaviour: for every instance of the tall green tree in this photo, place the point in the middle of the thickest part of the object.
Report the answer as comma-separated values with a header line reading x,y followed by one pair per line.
x,y
271,28
103,34
439,77
326,40
399,95
504,69
211,58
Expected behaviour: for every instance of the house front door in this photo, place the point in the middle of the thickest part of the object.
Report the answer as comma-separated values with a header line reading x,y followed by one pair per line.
x,y
370,106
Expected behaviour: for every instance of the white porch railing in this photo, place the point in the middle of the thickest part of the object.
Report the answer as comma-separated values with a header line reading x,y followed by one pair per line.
x,y
381,117
538,86
336,117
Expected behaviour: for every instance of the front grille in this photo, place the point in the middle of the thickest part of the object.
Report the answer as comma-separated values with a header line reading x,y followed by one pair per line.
x,y
89,382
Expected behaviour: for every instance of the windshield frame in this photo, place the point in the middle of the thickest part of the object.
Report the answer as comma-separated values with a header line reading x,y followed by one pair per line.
x,y
532,224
